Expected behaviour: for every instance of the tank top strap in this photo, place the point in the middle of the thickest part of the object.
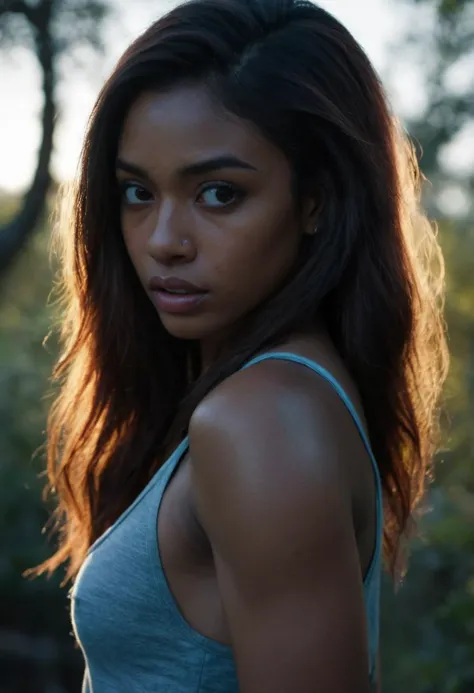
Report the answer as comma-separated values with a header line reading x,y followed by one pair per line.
x,y
372,577
326,375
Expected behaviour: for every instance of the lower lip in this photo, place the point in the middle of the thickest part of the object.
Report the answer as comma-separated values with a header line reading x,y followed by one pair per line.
x,y
177,303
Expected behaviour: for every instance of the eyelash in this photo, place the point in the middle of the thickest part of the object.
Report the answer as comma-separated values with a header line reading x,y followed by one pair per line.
x,y
124,186
238,193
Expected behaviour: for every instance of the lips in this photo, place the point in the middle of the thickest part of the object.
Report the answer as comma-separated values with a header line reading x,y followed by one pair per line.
x,y
175,296
174,284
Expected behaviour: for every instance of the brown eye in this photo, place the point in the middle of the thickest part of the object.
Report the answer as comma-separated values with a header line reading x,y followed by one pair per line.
x,y
133,194
221,195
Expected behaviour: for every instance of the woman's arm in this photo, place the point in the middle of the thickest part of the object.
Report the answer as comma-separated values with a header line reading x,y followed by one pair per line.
x,y
270,475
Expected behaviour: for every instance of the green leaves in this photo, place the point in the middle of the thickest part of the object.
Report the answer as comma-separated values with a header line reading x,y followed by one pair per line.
x,y
428,627
34,607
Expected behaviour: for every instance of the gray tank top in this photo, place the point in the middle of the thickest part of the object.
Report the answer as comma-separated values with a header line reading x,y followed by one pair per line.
x,y
126,620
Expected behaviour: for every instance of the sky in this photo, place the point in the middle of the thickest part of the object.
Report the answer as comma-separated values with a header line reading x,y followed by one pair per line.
x,y
376,24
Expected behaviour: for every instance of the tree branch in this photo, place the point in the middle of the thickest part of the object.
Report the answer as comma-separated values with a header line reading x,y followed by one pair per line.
x,y
14,235
16,7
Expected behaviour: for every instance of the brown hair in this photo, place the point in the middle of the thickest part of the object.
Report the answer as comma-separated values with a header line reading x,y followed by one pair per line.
x,y
374,270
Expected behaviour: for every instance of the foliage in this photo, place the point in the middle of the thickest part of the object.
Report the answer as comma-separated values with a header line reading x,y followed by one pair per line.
x,y
449,108
438,50
49,28
428,625
34,626
75,23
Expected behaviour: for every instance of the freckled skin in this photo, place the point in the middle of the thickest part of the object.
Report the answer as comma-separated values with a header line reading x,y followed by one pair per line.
x,y
239,252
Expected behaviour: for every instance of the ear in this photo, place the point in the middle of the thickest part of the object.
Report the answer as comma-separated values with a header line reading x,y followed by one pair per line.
x,y
310,212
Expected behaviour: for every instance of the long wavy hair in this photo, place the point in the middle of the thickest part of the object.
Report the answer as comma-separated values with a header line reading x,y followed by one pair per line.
x,y
125,388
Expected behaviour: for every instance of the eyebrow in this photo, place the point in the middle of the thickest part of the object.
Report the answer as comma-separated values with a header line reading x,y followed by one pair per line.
x,y
197,169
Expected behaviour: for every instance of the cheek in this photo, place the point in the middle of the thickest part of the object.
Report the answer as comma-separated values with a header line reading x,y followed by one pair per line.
x,y
258,258
135,241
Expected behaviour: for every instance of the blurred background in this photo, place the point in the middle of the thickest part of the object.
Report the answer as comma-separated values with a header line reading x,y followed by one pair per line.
x,y
54,56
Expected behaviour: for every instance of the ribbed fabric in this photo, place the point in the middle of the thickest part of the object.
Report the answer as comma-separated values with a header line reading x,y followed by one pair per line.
x,y
127,622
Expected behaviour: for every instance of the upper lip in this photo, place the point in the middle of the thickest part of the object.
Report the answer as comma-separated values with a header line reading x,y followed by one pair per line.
x,y
172,284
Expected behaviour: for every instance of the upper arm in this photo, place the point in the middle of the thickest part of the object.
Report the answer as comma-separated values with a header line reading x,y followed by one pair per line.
x,y
268,472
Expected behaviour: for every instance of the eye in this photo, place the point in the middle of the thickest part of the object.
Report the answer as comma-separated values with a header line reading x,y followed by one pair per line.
x,y
134,194
218,195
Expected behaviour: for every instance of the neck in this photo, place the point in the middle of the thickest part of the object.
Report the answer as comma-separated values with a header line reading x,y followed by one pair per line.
x,y
210,349
213,347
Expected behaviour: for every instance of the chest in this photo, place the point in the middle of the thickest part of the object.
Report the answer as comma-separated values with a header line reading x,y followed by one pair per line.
x,y
125,610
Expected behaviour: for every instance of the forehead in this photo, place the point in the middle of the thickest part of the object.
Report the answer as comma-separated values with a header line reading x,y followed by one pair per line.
x,y
184,125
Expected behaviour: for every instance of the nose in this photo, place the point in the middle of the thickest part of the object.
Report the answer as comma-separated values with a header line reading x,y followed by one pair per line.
x,y
169,243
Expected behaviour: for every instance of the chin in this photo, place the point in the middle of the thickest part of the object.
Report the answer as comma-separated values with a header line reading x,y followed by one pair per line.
x,y
189,327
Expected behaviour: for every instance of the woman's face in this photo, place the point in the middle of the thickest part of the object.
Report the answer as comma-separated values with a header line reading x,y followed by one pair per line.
x,y
205,200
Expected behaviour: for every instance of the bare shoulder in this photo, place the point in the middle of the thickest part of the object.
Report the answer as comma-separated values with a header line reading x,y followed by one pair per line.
x,y
272,441
269,450
274,411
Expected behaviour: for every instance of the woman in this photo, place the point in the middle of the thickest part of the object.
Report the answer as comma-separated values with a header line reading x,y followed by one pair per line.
x,y
253,352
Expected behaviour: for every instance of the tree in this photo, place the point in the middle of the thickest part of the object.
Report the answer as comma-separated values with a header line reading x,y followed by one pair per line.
x,y
449,108
49,27
427,641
